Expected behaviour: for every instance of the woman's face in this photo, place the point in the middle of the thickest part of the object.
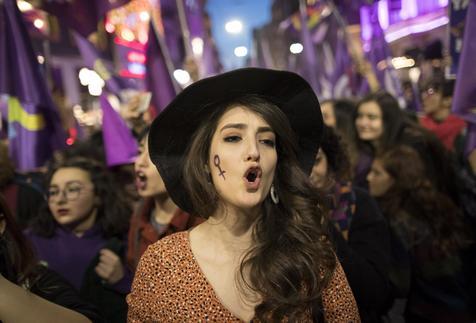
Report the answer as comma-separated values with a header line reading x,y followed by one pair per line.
x,y
319,170
328,115
369,121
380,181
149,183
71,198
432,101
242,158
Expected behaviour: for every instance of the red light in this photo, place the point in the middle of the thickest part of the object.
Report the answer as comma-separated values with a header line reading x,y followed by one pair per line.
x,y
69,141
136,57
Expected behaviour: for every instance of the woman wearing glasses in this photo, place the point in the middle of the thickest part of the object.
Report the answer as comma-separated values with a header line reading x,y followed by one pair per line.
x,y
80,233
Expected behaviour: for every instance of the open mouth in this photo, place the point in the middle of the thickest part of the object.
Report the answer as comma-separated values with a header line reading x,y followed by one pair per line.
x,y
141,180
252,174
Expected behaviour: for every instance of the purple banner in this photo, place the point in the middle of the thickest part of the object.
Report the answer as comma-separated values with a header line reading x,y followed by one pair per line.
x,y
120,146
158,79
34,125
457,14
82,16
464,98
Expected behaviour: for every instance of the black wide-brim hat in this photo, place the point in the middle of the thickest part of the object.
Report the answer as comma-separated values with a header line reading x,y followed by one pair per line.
x,y
171,132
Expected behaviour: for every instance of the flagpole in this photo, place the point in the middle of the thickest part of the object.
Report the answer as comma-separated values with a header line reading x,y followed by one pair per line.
x,y
184,28
166,54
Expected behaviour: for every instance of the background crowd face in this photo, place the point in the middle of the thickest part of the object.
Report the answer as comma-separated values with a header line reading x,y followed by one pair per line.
x,y
149,183
380,181
242,140
369,121
71,198
319,170
432,100
328,114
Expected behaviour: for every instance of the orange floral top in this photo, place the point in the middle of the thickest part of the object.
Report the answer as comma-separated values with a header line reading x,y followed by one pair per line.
x,y
169,286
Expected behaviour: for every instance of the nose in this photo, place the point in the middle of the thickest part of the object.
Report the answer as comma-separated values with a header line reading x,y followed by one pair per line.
x,y
140,160
62,197
369,177
252,151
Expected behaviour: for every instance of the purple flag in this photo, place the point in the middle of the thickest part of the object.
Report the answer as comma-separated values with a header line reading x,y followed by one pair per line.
x,y
309,51
331,61
377,51
93,60
464,98
158,78
172,31
82,16
34,127
121,147
194,15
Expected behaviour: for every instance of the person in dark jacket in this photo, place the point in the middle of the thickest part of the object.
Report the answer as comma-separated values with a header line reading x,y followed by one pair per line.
x,y
81,233
430,237
359,231
29,291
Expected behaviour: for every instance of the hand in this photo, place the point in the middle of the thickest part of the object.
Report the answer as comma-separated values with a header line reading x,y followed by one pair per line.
x,y
110,266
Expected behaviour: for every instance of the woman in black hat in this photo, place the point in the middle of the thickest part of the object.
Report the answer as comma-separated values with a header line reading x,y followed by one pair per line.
x,y
235,149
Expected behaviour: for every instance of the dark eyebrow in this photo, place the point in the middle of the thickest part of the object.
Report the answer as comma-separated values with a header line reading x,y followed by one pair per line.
x,y
243,126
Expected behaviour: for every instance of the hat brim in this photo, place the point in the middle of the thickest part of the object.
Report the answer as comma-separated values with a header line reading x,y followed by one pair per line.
x,y
171,132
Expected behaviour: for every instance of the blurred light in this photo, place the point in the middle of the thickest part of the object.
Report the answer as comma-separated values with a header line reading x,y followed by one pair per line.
x,y
234,26
136,57
136,68
127,34
94,89
182,76
383,18
144,16
443,3
415,29
24,6
69,141
241,51
110,27
409,9
296,48
41,59
197,46
90,78
38,23
143,37
402,62
414,74
84,76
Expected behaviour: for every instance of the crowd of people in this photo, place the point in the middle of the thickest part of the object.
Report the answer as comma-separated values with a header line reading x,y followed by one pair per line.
x,y
252,202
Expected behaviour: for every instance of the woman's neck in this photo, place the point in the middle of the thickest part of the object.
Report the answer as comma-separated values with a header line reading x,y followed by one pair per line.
x,y
80,228
232,229
164,209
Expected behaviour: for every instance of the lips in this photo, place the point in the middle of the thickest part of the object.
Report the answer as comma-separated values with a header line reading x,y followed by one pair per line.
x,y
62,212
252,178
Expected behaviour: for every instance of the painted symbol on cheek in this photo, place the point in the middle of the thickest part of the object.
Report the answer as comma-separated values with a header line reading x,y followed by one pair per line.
x,y
216,162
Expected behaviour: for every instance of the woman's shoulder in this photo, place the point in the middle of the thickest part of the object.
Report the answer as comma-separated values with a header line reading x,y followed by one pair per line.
x,y
171,249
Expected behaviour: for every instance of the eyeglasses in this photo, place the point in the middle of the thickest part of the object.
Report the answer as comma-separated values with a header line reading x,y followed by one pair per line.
x,y
71,192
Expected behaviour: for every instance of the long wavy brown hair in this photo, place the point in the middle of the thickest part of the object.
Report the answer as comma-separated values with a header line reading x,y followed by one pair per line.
x,y
18,256
290,263
413,199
